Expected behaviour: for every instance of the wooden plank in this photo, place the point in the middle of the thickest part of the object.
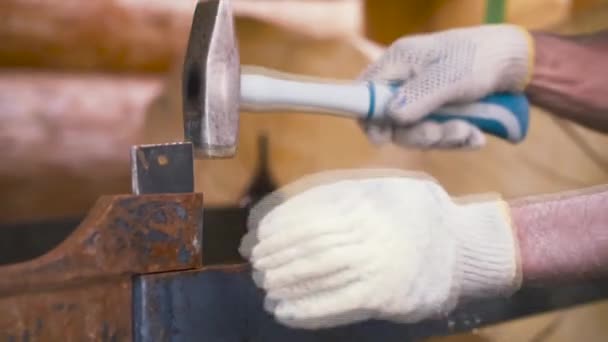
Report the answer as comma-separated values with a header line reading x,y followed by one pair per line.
x,y
67,136
70,120
136,35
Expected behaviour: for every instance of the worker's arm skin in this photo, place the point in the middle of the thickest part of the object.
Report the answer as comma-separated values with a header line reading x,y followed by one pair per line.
x,y
569,77
563,237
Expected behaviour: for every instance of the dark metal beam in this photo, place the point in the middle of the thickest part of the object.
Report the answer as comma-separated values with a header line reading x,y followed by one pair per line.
x,y
222,304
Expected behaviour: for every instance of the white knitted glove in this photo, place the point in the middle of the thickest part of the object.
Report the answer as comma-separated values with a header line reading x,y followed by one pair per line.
x,y
450,67
385,246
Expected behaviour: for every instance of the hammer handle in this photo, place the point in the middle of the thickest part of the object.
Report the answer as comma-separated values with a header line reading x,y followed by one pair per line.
x,y
504,115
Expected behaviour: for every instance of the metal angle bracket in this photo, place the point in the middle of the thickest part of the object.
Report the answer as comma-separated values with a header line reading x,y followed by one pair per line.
x,y
162,168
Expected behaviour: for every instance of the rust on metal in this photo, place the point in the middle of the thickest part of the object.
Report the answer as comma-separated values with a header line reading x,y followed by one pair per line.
x,y
82,287
95,311
121,235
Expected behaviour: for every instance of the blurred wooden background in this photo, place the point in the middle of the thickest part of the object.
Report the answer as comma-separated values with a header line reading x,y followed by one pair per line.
x,y
80,81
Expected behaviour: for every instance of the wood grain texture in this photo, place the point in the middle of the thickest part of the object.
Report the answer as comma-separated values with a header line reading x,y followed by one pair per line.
x,y
76,121
389,20
301,144
140,35
65,139
386,21
136,35
460,13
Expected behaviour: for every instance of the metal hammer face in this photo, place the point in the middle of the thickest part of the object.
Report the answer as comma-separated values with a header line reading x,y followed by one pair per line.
x,y
211,81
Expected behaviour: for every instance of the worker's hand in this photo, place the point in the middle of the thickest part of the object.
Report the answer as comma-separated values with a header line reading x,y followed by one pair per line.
x,y
384,246
450,67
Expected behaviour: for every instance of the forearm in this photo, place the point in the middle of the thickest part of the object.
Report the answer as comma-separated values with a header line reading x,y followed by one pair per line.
x,y
570,77
564,237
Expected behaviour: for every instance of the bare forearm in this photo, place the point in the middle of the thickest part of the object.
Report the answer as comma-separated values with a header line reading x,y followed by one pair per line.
x,y
563,237
570,77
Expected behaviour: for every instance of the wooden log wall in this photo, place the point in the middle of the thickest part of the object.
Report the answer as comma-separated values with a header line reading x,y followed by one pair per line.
x,y
65,128
117,35
300,144
65,138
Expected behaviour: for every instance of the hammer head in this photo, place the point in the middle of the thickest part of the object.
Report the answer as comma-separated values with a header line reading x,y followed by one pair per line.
x,y
211,81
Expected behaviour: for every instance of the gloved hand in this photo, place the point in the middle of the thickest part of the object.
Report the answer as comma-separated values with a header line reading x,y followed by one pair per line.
x,y
377,245
449,67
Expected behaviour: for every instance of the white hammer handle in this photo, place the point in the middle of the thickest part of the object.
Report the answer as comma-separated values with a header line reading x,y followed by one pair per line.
x,y
266,93
503,115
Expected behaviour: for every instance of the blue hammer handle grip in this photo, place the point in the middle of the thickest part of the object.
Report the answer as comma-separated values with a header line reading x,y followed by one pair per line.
x,y
504,115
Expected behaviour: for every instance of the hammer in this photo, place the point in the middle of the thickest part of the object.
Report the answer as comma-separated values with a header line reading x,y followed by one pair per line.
x,y
215,89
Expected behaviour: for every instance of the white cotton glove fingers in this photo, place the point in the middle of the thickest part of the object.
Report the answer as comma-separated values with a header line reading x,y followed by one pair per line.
x,y
298,234
423,135
248,242
304,249
390,71
422,95
302,209
402,60
445,135
311,267
429,134
421,254
326,309
263,226
324,322
317,285
377,134
459,133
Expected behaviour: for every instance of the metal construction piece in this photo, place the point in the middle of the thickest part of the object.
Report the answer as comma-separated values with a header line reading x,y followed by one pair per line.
x,y
81,289
223,304
211,81
162,168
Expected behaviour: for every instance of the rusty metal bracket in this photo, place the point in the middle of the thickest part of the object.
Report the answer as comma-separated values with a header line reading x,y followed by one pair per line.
x,y
82,289
162,168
